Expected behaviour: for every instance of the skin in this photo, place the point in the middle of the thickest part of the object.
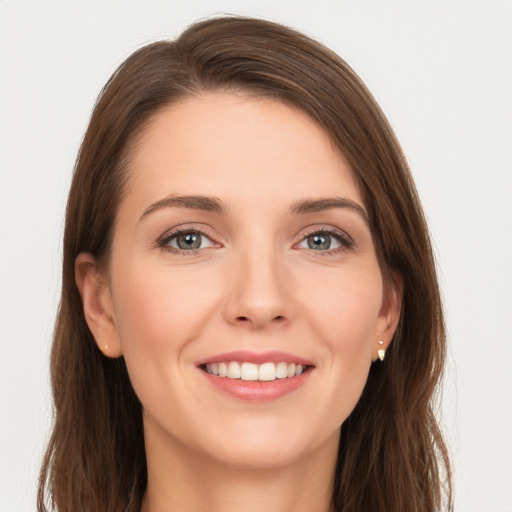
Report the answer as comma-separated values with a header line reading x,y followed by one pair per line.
x,y
255,284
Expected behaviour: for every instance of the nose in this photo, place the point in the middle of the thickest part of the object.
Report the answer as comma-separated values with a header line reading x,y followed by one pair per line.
x,y
260,292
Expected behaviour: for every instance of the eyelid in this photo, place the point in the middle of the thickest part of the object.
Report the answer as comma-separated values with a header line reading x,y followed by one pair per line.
x,y
342,236
203,230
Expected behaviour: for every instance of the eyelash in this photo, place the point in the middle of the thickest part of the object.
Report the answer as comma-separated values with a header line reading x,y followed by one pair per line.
x,y
345,241
164,240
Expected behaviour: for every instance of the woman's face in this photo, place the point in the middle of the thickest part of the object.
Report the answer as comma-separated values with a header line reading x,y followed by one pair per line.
x,y
242,247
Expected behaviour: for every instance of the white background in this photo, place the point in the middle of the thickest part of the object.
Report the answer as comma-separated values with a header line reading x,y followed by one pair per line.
x,y
442,72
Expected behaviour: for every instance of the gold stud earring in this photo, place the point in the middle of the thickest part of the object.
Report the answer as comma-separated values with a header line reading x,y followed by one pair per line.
x,y
381,352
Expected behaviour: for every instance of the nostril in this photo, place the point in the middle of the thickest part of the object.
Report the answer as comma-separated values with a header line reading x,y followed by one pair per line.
x,y
277,319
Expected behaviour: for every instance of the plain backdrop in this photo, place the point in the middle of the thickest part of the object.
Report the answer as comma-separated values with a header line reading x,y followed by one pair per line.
x,y
442,72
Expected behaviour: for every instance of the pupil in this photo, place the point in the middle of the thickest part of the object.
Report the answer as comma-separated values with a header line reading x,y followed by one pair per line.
x,y
319,242
189,241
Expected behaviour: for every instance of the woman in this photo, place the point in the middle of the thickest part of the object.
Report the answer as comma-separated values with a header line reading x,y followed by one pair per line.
x,y
250,316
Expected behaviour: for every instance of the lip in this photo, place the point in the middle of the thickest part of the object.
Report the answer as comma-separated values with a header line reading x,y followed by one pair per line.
x,y
255,358
256,391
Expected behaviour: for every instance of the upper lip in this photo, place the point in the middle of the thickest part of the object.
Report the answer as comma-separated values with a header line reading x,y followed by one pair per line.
x,y
255,358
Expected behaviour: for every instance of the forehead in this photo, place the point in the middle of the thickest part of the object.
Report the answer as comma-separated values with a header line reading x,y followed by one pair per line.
x,y
237,147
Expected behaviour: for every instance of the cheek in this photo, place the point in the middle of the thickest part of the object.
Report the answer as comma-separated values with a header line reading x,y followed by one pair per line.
x,y
157,306
344,316
158,313
344,308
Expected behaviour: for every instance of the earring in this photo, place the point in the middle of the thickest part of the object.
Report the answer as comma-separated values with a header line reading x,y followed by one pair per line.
x,y
381,352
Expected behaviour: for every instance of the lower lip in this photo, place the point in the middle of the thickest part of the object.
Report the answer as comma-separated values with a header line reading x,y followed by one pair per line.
x,y
257,391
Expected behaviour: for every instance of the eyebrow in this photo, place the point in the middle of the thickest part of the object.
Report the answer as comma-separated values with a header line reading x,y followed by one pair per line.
x,y
205,203
214,204
317,205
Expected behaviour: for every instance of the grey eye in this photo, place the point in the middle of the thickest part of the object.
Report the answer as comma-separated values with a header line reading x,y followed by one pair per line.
x,y
189,240
320,242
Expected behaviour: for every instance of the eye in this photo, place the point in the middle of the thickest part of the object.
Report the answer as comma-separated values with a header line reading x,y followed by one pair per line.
x,y
325,241
189,240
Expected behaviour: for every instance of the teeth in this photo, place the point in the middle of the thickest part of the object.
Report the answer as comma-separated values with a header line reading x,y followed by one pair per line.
x,y
233,370
267,371
281,370
223,369
251,372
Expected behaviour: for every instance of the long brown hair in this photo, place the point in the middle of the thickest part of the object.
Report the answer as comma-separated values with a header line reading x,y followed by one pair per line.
x,y
391,455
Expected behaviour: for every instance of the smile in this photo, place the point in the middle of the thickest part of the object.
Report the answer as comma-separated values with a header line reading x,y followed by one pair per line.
x,y
255,372
256,376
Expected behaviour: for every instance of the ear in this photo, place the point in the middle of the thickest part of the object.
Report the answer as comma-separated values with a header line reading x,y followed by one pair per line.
x,y
98,307
389,315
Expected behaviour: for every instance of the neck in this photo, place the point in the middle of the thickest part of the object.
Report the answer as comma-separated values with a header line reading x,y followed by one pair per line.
x,y
181,480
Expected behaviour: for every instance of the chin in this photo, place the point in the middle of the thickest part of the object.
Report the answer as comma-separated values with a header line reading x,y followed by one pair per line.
x,y
267,447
